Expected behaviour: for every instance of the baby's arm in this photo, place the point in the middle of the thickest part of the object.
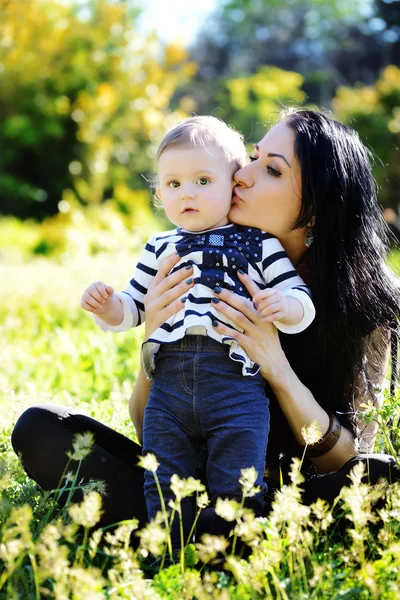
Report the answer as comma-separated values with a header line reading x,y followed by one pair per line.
x,y
286,301
274,305
100,300
119,311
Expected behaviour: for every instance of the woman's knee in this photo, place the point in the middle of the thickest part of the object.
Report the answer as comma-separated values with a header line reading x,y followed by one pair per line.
x,y
377,466
27,429
37,427
41,440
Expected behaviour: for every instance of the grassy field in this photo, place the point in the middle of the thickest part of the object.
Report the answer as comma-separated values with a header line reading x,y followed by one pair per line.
x,y
51,351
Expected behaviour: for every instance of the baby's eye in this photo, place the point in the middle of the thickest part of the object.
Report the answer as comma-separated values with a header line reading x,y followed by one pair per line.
x,y
253,158
174,183
203,181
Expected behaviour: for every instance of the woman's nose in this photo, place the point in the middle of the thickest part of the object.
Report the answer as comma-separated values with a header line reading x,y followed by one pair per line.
x,y
243,176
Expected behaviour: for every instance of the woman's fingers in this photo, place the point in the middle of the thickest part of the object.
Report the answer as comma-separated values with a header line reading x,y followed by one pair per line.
x,y
229,332
166,298
165,268
240,310
163,298
169,282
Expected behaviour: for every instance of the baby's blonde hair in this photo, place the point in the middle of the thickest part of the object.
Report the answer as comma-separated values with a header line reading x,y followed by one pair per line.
x,y
205,130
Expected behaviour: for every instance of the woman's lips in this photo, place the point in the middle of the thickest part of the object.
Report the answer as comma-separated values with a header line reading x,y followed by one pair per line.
x,y
236,197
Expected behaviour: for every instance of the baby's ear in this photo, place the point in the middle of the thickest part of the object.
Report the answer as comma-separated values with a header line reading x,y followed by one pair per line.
x,y
158,193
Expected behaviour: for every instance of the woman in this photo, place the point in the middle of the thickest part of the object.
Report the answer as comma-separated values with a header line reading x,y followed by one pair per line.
x,y
310,185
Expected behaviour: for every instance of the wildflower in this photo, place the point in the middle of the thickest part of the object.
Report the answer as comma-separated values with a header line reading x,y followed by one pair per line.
x,y
319,574
311,433
149,462
249,529
88,512
82,445
203,500
16,535
295,472
323,513
185,487
210,546
287,511
152,539
86,583
94,542
52,555
248,477
95,485
239,569
11,550
122,534
230,510
357,498
175,505
69,477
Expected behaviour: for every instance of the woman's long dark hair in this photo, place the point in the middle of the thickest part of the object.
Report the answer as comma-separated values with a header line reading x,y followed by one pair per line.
x,y
353,291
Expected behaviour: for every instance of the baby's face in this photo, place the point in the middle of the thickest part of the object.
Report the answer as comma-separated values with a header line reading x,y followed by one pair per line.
x,y
195,186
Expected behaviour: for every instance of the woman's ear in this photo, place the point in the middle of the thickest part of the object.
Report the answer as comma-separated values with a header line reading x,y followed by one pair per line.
x,y
158,193
311,222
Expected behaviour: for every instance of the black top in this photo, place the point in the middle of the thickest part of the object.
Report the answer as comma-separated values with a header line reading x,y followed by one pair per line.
x,y
316,374
306,362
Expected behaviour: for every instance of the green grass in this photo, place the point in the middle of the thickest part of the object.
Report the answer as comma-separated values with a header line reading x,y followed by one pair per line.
x,y
51,351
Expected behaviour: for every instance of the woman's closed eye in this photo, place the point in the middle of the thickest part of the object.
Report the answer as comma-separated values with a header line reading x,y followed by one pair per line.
x,y
271,170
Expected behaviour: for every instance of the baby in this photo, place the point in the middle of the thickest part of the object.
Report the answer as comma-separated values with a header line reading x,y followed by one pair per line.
x,y
205,390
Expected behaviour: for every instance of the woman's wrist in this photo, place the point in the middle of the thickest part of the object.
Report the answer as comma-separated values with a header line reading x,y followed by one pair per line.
x,y
278,375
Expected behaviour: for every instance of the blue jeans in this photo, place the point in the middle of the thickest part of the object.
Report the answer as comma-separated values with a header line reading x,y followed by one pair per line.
x,y
199,398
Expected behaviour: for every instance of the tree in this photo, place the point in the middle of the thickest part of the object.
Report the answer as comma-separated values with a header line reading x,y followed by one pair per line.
x,y
249,103
82,98
374,111
330,42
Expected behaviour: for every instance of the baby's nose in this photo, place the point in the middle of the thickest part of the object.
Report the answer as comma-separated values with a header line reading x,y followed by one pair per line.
x,y
188,192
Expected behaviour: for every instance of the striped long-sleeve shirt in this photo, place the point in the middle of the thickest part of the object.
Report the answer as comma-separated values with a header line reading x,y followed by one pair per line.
x,y
216,256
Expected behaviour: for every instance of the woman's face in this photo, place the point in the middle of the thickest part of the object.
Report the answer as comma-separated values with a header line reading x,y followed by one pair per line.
x,y
268,191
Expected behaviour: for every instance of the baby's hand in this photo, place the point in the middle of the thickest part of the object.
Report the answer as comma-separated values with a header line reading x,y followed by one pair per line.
x,y
271,304
97,298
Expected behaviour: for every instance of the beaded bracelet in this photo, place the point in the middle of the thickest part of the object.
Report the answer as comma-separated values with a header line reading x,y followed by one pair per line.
x,y
328,441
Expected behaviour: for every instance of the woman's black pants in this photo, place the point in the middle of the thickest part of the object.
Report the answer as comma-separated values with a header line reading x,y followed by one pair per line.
x,y
44,434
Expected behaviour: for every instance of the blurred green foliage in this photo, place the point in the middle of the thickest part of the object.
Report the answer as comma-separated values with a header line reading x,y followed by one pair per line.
x,y
251,102
83,99
374,111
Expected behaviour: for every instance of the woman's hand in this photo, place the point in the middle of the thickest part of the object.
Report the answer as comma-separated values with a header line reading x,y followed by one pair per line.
x,y
258,337
166,293
261,342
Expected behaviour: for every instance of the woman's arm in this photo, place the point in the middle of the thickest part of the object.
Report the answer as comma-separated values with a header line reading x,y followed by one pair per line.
x,y
370,384
163,299
261,342
138,401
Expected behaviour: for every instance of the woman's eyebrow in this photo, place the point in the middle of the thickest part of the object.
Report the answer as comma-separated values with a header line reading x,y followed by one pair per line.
x,y
272,154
